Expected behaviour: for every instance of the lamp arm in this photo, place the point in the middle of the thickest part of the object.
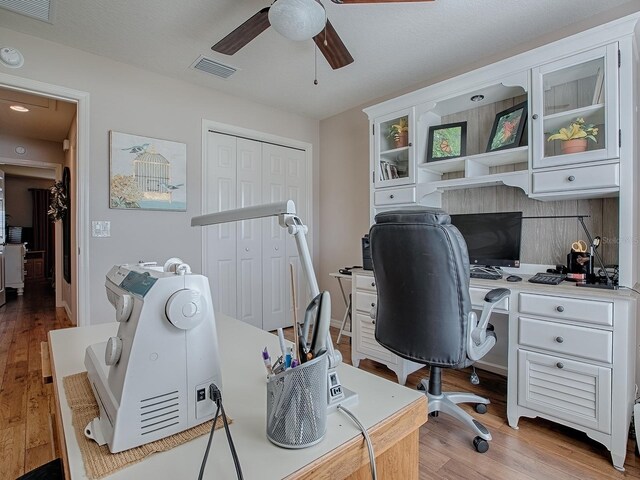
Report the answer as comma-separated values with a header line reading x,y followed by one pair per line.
x,y
298,229
595,251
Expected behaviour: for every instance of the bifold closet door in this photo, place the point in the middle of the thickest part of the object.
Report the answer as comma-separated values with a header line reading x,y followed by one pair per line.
x,y
284,177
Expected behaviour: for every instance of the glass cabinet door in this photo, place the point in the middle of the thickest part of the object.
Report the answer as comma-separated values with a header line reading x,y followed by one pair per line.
x,y
393,138
574,115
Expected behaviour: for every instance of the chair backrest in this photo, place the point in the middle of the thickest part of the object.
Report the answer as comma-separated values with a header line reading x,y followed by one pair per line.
x,y
421,268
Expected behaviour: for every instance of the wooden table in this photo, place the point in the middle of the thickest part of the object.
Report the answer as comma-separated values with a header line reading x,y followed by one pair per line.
x,y
392,414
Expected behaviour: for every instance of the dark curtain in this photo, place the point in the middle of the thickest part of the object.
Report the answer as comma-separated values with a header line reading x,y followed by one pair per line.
x,y
43,228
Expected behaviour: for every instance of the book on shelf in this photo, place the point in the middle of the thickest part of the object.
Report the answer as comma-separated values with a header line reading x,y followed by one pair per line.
x,y
598,92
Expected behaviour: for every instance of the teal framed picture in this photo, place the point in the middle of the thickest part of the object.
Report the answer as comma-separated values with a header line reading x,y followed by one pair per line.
x,y
508,128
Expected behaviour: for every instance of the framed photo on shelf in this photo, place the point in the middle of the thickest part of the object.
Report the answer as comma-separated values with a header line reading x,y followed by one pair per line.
x,y
447,141
508,128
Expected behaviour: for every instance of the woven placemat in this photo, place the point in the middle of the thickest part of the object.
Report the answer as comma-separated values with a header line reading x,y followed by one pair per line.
x,y
98,460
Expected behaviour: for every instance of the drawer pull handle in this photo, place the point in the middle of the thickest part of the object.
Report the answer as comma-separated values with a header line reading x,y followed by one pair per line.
x,y
571,178
373,304
373,321
559,339
534,116
560,365
560,308
391,196
410,144
373,284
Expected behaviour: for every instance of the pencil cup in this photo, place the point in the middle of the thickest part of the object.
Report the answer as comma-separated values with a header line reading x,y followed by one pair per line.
x,y
297,405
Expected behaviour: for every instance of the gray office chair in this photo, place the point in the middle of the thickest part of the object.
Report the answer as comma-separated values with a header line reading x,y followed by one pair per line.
x,y
424,314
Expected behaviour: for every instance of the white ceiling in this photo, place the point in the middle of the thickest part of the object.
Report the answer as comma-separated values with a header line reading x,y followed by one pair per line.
x,y
394,45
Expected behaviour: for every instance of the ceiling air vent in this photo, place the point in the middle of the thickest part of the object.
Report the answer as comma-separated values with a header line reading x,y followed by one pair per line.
x,y
212,67
40,9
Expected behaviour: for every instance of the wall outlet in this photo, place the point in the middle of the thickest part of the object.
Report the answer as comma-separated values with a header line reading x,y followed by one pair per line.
x,y
100,228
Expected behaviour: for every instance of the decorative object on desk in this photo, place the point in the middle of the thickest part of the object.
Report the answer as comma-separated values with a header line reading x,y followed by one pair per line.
x,y
58,201
578,262
447,141
147,173
98,461
399,132
574,137
508,127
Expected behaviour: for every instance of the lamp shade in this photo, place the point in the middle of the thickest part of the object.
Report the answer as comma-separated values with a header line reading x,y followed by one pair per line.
x,y
297,19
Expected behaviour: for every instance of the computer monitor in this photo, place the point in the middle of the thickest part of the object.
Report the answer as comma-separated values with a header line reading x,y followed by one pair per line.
x,y
493,239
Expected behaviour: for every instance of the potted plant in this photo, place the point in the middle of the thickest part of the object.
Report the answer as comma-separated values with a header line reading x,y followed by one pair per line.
x,y
574,138
399,132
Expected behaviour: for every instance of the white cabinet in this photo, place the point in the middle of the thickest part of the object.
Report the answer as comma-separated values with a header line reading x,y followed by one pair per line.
x,y
579,90
572,361
364,345
394,151
248,261
14,254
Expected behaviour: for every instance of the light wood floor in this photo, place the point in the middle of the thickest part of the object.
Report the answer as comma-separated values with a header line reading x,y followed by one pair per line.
x,y
538,450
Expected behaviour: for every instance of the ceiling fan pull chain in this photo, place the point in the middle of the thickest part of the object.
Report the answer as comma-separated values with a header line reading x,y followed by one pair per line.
x,y
315,65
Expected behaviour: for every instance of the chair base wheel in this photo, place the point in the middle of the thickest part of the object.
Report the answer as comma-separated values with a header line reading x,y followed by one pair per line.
x,y
481,408
480,444
434,414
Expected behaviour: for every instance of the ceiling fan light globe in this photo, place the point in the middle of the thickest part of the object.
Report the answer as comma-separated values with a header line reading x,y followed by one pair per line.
x,y
297,19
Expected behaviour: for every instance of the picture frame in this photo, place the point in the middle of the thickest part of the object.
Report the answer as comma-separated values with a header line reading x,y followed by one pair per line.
x,y
447,141
147,173
508,128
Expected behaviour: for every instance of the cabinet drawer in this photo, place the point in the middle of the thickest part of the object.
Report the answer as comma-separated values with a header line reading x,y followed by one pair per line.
x,y
580,309
367,343
583,178
394,196
573,391
477,299
590,343
366,282
365,302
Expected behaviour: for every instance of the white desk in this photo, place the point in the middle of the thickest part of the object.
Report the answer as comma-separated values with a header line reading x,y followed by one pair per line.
x,y
391,413
570,353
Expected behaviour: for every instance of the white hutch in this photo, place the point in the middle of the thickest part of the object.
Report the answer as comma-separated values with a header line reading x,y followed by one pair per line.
x,y
571,352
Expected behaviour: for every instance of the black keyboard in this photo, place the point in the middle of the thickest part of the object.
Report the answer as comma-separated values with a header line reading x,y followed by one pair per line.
x,y
486,275
548,278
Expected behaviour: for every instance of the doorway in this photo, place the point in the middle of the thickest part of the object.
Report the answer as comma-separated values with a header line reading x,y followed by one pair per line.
x,y
75,299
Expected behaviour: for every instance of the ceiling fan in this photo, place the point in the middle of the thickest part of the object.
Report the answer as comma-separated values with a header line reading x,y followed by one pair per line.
x,y
296,20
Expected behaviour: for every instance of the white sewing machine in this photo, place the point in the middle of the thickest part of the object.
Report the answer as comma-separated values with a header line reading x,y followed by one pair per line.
x,y
152,380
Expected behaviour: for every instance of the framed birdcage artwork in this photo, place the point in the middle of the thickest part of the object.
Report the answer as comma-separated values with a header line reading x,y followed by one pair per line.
x,y
447,141
147,173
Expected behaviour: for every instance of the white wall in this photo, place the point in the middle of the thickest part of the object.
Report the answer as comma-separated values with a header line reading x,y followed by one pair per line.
x,y
128,99
37,150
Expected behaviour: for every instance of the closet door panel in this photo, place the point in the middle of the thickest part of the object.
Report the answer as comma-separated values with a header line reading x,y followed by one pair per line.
x,y
249,238
219,256
274,286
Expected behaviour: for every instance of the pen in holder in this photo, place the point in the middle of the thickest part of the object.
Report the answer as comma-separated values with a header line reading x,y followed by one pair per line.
x,y
297,404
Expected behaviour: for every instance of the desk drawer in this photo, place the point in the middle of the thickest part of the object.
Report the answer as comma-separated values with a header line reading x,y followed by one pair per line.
x,y
394,196
365,302
590,343
367,343
366,282
566,308
583,178
576,392
477,299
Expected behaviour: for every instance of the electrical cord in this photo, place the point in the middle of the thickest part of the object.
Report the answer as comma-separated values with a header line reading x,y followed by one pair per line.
x,y
628,288
372,459
216,396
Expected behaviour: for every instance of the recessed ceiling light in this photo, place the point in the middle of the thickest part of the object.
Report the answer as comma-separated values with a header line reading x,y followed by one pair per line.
x,y
19,108
11,57
477,98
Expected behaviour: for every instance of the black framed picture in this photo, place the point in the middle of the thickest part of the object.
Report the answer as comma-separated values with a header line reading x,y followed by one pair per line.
x,y
508,128
447,141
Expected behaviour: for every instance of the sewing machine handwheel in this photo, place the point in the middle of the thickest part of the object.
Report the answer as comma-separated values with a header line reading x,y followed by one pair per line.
x,y
124,306
185,309
113,351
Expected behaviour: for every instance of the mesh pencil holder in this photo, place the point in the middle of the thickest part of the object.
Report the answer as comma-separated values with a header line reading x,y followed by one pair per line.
x,y
297,405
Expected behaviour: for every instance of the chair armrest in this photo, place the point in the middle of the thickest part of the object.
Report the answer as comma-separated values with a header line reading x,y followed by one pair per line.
x,y
478,343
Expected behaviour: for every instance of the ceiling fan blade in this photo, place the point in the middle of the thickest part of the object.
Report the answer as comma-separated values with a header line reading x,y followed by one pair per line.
x,y
331,46
244,33
377,1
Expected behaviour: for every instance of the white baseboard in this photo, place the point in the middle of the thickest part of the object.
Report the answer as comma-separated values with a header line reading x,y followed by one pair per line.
x,y
67,310
336,323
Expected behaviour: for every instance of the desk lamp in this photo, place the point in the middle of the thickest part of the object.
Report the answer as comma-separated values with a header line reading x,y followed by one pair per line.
x,y
287,218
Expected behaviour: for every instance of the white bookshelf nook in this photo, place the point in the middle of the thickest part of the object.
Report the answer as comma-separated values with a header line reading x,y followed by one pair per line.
x,y
570,354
